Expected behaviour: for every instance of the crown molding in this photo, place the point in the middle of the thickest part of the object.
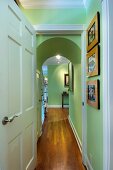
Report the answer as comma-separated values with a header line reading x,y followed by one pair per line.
x,y
51,4
46,29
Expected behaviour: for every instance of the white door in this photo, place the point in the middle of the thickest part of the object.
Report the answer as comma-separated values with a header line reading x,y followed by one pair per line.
x,y
17,57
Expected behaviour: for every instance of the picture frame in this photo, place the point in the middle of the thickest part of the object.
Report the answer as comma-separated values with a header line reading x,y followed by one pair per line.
x,y
93,93
71,76
93,62
93,33
66,80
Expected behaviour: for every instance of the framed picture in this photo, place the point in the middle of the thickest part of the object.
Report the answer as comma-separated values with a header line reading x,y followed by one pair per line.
x,y
71,76
66,80
93,68
93,93
93,33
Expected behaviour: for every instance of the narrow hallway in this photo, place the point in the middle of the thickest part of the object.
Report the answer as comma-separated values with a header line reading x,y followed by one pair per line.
x,y
57,147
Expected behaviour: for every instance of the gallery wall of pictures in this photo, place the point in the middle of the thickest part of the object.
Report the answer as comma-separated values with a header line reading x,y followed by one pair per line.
x,y
93,62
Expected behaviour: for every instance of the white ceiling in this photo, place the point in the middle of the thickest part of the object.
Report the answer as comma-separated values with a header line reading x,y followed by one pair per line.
x,y
54,61
33,4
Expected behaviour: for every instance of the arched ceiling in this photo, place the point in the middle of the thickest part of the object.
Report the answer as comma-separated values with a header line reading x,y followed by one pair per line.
x,y
58,45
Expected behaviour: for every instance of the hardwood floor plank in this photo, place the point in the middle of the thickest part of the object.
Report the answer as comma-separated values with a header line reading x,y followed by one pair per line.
x,y
57,148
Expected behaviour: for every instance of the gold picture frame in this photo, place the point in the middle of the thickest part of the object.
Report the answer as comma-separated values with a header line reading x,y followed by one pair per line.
x,y
92,62
93,93
93,34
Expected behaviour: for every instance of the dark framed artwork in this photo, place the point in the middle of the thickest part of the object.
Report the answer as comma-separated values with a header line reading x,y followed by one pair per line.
x,y
93,93
71,76
92,57
93,33
66,80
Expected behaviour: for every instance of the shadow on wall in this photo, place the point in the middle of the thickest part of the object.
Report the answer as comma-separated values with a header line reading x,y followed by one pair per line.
x,y
58,45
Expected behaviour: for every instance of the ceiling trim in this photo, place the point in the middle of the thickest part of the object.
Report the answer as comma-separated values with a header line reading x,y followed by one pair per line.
x,y
59,29
51,4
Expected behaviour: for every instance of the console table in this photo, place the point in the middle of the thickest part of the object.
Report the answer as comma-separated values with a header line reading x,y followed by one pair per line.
x,y
63,96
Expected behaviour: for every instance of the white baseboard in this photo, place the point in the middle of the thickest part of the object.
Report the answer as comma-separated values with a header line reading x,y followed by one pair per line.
x,y
57,106
66,106
75,134
88,164
54,106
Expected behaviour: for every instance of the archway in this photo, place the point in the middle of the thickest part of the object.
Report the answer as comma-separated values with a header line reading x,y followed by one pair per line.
x,y
58,45
70,50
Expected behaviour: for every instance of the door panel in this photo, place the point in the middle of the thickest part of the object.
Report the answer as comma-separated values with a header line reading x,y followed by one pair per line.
x,y
27,80
29,149
28,39
15,153
14,25
17,102
14,52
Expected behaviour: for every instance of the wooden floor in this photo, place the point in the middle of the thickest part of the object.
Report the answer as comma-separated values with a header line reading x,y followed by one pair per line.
x,y
57,147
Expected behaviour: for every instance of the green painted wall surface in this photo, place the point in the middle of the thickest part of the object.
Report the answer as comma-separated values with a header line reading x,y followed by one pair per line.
x,y
94,116
56,83
76,100
55,16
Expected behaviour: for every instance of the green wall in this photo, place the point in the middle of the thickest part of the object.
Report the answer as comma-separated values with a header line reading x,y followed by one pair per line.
x,y
56,83
75,101
94,116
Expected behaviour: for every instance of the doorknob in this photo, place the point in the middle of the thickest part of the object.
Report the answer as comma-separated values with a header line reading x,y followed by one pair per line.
x,y
8,120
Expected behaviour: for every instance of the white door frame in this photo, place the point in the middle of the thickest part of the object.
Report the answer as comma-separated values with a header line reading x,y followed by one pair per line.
x,y
107,25
84,110
106,116
73,29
